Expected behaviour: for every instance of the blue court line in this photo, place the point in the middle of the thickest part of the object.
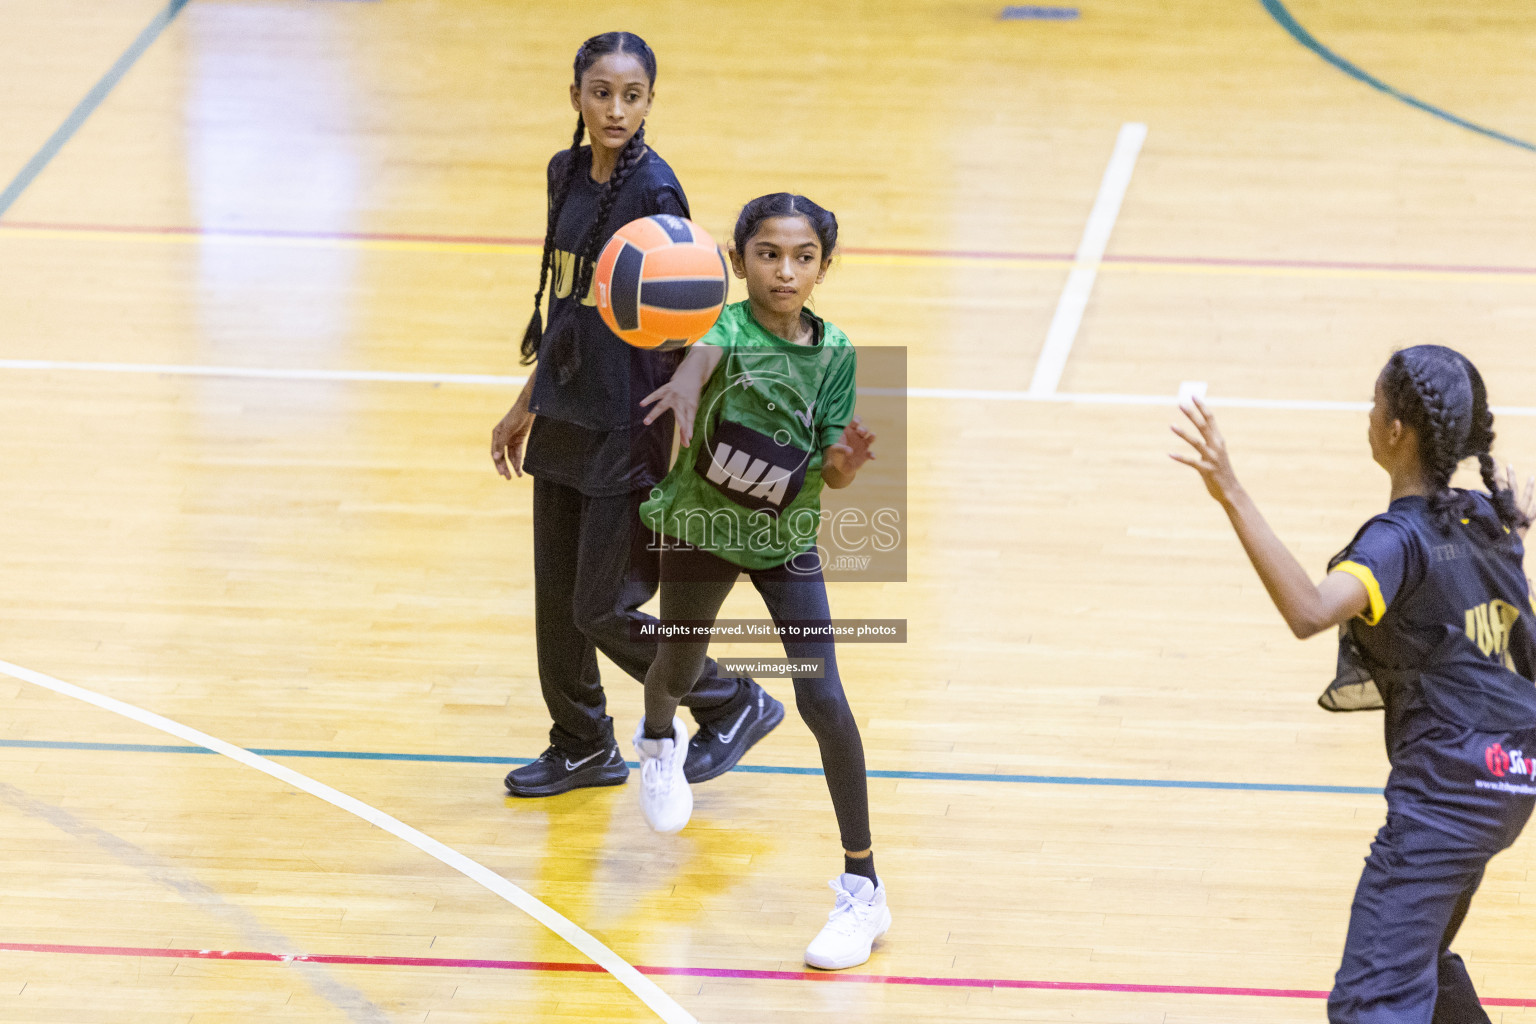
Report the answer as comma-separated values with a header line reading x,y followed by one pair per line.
x,y
759,769
1036,13
86,107
1278,11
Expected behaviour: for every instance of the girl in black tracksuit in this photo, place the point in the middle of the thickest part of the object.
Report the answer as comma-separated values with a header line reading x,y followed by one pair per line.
x,y
588,450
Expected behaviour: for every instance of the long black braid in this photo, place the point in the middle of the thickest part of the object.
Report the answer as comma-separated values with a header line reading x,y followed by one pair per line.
x,y
586,55
565,353
557,194
598,233
1441,440
1439,393
1480,443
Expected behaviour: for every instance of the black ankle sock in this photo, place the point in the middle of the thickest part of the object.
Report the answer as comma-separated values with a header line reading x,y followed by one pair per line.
x,y
650,734
861,866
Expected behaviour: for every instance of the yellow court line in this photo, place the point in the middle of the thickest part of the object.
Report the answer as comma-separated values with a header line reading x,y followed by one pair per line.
x,y
1013,263
1371,273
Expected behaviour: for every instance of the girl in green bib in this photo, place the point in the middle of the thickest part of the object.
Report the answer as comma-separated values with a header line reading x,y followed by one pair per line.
x,y
764,406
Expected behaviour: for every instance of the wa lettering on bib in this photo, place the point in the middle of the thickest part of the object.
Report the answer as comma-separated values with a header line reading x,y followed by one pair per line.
x,y
752,469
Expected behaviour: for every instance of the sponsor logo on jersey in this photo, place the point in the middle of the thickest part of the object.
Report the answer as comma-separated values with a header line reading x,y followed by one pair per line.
x,y
1503,762
1450,552
1497,759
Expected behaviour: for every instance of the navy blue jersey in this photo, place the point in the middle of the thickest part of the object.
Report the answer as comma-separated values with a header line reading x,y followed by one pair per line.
x,y
612,377
588,433
1448,644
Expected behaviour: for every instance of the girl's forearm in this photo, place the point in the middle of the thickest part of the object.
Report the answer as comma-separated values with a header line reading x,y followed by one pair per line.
x,y
525,396
699,365
1307,608
1295,595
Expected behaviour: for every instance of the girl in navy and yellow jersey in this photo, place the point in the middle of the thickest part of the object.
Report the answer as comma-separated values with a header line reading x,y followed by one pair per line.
x,y
1438,631
591,456
764,404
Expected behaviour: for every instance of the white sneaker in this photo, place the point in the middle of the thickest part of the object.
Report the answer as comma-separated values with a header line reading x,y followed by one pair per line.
x,y
665,798
859,918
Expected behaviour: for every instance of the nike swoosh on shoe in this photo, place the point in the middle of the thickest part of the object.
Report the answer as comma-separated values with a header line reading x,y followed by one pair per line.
x,y
572,767
727,737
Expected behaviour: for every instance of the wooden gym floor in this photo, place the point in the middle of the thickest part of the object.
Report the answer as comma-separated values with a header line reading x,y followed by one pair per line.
x,y
1144,818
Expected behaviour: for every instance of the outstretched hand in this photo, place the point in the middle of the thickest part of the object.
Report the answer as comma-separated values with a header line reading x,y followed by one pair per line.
x,y
848,453
682,397
1505,477
1210,459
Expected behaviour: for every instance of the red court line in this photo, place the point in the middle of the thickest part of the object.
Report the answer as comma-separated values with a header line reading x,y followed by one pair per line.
x,y
966,254
323,236
976,254
688,972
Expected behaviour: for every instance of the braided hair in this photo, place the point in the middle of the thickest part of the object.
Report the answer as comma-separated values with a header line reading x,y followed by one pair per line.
x,y
1480,443
597,234
1439,393
563,176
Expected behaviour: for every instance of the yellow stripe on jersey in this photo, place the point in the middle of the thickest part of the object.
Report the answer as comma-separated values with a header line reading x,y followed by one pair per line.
x,y
1378,608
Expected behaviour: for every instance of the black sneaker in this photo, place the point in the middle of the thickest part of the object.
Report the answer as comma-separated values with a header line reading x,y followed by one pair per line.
x,y
557,772
717,746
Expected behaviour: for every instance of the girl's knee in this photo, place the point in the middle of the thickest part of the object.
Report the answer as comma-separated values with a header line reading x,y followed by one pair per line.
x,y
600,624
827,716
676,668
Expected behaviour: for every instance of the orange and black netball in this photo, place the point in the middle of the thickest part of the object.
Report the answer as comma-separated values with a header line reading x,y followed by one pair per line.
x,y
660,282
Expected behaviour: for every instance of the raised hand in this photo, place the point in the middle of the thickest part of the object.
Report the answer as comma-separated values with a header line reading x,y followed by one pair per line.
x,y
1210,459
1526,500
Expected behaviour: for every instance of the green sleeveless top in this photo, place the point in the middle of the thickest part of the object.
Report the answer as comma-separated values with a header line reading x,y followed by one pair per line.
x,y
748,489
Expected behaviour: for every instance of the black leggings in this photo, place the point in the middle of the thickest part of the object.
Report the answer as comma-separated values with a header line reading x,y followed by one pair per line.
x,y
694,586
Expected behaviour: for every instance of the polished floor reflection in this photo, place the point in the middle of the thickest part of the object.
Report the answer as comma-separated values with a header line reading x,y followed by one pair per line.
x,y
1102,792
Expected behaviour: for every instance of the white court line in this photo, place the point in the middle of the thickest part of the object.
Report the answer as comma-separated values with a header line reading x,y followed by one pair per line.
x,y
262,373
1214,401
1090,251
664,1006
1189,389
958,394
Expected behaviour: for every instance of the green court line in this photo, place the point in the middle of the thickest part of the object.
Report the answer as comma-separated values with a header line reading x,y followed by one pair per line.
x,y
1277,10
86,107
